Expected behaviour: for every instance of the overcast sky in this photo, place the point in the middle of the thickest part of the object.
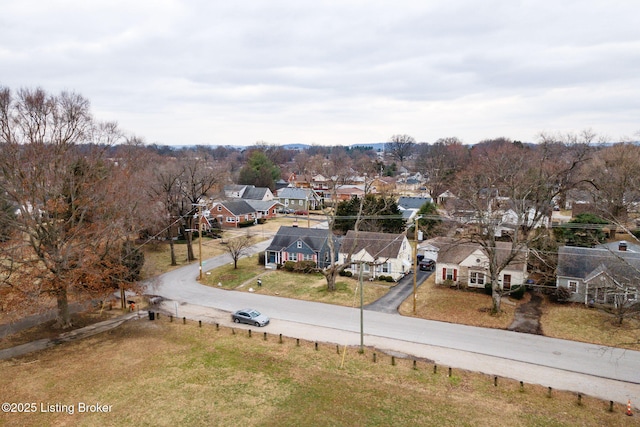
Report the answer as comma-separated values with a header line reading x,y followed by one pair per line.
x,y
334,72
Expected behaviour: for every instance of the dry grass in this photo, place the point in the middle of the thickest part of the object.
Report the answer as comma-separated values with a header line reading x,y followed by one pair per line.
x,y
309,287
166,374
579,323
457,306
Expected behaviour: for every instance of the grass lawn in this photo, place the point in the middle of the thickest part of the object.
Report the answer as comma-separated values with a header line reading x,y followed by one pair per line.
x,y
579,323
309,287
457,306
167,374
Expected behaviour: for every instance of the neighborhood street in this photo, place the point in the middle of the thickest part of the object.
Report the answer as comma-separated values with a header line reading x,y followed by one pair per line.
x,y
604,372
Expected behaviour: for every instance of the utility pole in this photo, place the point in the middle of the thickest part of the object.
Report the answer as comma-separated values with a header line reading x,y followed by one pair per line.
x,y
415,263
200,238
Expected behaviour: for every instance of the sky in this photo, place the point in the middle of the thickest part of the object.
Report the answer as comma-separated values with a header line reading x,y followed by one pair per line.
x,y
344,72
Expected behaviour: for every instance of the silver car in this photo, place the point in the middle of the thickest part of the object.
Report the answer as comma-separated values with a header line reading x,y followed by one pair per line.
x,y
250,317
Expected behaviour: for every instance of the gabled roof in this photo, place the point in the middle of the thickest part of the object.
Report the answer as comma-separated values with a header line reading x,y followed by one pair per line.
x,y
583,262
406,202
237,207
313,237
255,193
297,193
378,245
262,205
455,251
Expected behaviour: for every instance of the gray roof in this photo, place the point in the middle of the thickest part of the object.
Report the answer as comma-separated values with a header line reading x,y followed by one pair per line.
x,y
262,205
255,193
296,193
406,202
313,237
378,245
238,207
585,262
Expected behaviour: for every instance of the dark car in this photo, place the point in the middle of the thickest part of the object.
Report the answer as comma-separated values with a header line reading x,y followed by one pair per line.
x,y
250,317
427,264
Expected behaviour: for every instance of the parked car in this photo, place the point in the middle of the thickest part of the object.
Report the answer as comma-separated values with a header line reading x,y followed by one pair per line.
x,y
250,317
427,264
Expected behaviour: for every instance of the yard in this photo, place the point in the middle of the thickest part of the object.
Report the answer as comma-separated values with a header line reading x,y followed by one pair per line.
x,y
165,374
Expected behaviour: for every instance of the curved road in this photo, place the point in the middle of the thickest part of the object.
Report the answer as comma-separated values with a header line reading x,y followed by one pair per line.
x,y
604,372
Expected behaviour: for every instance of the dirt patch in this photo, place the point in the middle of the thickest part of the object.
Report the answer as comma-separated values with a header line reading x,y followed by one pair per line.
x,y
48,329
526,318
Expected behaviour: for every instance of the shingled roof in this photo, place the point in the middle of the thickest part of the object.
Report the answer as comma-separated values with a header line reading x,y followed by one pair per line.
x,y
378,245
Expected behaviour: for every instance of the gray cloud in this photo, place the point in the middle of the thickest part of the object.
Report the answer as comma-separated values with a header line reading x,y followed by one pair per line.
x,y
336,71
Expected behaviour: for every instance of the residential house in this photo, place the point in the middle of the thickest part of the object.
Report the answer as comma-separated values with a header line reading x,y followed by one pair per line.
x,y
606,274
266,209
378,254
298,198
464,263
409,206
230,213
300,244
408,202
251,192
257,193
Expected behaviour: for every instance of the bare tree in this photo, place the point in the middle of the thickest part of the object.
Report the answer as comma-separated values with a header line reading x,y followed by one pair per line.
x,y
238,247
199,178
507,176
166,189
400,147
69,228
441,162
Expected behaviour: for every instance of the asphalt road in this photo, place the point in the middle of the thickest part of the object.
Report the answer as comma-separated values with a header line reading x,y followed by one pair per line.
x,y
604,372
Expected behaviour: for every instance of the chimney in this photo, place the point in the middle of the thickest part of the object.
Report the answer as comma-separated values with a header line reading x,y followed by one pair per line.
x,y
622,247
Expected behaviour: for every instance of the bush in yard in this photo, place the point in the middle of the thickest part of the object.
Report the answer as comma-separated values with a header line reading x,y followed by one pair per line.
x,y
289,265
518,291
305,267
562,294
390,279
488,289
346,273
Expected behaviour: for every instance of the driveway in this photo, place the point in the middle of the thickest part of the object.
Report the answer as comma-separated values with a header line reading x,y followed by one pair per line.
x,y
390,302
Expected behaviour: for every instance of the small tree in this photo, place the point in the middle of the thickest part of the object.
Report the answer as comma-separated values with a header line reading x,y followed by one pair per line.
x,y
238,247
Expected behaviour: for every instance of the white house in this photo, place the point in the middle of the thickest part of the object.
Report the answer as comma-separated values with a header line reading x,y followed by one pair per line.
x,y
465,264
379,254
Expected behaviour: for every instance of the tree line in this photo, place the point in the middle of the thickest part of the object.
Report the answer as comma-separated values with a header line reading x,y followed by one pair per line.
x,y
77,194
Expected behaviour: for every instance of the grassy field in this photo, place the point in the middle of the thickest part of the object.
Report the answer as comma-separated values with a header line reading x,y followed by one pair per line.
x,y
166,374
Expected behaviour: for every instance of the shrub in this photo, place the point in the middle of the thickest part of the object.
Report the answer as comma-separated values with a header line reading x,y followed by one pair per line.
x,y
243,224
382,278
389,279
562,294
518,291
289,265
305,266
347,273
488,289
261,258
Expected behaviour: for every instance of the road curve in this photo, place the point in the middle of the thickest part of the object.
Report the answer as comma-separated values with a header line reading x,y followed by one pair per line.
x,y
605,372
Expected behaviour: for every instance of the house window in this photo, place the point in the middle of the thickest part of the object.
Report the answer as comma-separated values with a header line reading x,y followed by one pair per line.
x,y
231,219
386,267
573,286
476,278
449,274
300,202
308,257
293,256
631,294
219,208
299,244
